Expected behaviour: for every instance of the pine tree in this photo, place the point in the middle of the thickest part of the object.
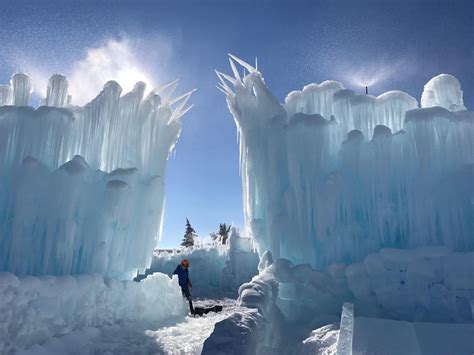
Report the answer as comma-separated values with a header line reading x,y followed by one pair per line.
x,y
223,232
189,235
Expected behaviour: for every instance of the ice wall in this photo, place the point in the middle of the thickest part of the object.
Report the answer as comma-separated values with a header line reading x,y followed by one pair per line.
x,y
331,175
82,188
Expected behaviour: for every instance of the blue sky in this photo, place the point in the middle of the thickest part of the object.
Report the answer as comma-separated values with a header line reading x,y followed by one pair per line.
x,y
403,43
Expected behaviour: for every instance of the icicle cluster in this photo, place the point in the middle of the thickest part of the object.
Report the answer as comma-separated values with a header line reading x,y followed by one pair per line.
x,y
331,175
82,188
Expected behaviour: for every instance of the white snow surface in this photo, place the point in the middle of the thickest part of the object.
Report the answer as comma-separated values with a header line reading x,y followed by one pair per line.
x,y
333,176
172,337
322,341
35,311
82,188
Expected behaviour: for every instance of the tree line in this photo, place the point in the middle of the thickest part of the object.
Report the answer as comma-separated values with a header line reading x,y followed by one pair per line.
x,y
220,236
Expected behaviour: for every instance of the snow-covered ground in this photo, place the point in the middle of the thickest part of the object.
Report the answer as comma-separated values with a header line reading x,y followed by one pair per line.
x,y
177,336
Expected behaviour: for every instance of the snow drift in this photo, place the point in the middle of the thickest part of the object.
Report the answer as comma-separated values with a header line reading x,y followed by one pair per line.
x,y
82,188
36,309
332,176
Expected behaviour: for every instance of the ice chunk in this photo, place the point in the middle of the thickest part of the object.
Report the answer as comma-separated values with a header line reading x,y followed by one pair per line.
x,y
443,90
344,342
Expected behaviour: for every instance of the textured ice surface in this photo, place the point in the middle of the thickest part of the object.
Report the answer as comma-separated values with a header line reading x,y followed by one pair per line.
x,y
332,176
430,284
35,310
443,90
76,219
82,188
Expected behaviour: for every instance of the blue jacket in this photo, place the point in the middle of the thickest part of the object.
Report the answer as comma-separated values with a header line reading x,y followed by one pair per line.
x,y
183,276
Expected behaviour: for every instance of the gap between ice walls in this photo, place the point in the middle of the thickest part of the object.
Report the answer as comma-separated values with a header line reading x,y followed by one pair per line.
x,y
82,187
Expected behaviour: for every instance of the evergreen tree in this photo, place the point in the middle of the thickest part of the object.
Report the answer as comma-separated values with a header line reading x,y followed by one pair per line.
x,y
223,232
189,235
214,236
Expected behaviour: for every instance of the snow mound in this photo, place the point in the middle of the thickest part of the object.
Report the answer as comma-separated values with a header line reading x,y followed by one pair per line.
x,y
322,341
36,309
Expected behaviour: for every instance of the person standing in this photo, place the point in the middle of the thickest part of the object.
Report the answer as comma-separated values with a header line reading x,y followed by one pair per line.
x,y
184,281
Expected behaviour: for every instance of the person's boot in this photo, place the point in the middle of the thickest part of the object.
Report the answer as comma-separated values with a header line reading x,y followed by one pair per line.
x,y
191,308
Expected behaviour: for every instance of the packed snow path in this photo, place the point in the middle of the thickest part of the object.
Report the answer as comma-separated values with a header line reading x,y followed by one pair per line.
x,y
185,337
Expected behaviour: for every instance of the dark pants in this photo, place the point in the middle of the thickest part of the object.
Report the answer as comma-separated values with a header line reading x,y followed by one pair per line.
x,y
187,295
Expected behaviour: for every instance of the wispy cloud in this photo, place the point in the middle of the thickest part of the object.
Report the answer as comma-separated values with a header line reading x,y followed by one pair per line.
x,y
124,60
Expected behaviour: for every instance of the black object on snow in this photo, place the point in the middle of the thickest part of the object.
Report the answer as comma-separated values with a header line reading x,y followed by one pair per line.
x,y
205,310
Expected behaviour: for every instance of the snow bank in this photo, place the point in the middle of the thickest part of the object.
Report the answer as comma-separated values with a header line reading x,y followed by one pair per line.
x,y
82,188
332,176
220,269
36,309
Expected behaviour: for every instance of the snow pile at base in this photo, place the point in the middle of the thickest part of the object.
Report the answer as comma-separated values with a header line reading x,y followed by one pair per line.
x,y
322,341
218,269
36,309
61,215
332,176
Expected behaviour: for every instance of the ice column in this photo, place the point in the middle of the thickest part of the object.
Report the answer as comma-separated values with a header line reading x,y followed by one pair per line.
x,y
22,89
56,95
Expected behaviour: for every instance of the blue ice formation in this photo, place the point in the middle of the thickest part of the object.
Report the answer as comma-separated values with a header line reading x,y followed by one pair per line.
x,y
332,176
82,188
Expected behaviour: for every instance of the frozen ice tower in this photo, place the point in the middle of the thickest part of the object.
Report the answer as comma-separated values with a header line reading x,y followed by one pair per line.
x,y
332,176
82,188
